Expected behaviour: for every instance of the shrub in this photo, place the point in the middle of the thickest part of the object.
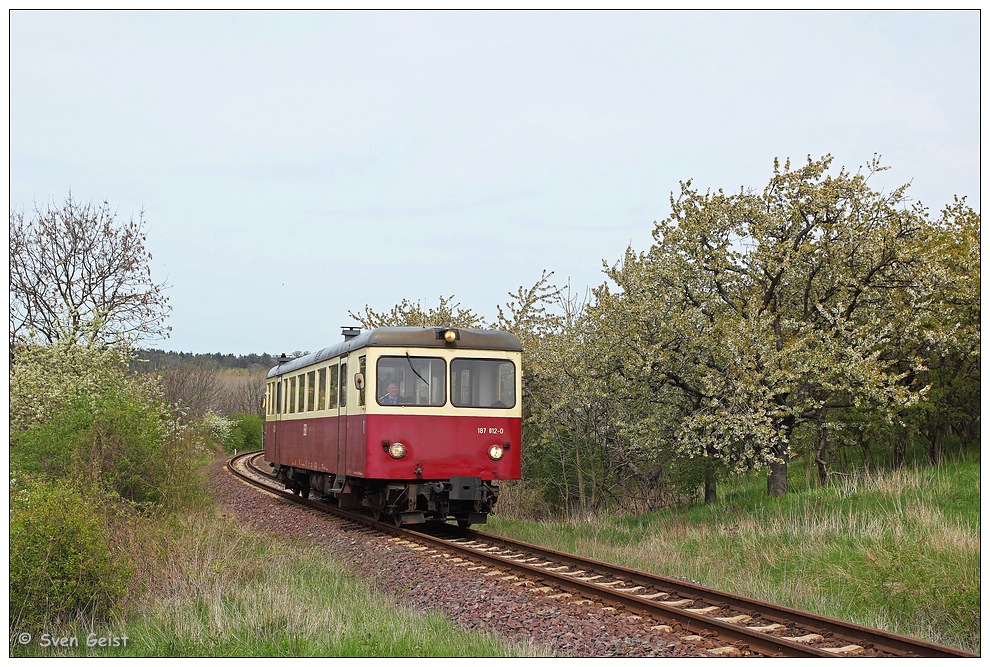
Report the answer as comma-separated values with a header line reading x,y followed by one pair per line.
x,y
183,459
251,428
241,432
44,378
63,563
222,429
122,447
112,440
45,449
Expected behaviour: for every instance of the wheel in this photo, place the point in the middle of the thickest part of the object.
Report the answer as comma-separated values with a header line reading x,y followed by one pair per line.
x,y
376,514
397,520
463,524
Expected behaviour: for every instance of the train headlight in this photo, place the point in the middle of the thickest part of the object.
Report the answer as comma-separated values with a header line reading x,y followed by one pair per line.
x,y
397,450
495,452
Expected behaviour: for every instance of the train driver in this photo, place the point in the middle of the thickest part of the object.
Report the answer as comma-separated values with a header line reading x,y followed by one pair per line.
x,y
391,397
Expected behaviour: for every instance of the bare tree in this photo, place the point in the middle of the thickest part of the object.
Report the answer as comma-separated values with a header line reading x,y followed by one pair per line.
x,y
243,392
198,389
195,389
78,273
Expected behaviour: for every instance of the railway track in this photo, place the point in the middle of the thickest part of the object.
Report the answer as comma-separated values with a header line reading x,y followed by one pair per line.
x,y
726,624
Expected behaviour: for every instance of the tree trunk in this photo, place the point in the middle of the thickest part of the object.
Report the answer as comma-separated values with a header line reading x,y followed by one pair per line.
x,y
582,500
935,448
710,486
777,479
900,451
820,457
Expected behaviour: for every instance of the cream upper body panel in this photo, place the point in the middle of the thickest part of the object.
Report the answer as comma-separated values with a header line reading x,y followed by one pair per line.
x,y
486,379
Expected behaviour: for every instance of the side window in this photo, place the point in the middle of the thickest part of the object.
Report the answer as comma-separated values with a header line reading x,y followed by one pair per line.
x,y
321,394
292,394
363,363
343,384
311,391
332,389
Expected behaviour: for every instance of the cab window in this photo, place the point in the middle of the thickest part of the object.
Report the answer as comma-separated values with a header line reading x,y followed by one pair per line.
x,y
482,383
411,380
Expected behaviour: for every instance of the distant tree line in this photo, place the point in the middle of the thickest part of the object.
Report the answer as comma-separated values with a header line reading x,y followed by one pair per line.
x,y
156,359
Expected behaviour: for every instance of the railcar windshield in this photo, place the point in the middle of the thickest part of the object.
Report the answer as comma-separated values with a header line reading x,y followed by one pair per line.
x,y
412,381
483,383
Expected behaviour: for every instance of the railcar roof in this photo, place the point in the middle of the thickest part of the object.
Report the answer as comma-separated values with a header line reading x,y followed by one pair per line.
x,y
470,339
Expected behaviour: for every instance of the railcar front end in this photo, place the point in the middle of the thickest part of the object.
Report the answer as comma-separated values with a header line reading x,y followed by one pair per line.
x,y
419,424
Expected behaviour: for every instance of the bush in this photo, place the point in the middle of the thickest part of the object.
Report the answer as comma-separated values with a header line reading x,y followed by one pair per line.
x,y
241,432
63,563
251,429
44,378
222,429
112,440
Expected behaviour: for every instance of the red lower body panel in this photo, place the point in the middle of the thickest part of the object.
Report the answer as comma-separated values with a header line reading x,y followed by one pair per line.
x,y
437,447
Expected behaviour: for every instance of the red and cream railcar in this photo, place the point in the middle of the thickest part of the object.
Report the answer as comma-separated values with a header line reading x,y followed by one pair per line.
x,y
415,423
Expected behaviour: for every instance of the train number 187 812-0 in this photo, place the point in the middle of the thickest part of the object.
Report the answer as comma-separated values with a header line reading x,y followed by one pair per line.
x,y
483,430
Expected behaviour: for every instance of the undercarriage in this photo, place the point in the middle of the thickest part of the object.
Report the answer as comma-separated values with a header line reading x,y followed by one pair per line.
x,y
467,500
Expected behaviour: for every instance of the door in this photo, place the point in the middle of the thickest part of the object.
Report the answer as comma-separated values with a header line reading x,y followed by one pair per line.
x,y
342,419
274,435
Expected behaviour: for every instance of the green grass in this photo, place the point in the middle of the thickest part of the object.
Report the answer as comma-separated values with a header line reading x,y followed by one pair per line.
x,y
222,590
898,550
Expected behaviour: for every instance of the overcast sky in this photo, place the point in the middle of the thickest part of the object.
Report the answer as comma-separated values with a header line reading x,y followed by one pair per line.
x,y
296,166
